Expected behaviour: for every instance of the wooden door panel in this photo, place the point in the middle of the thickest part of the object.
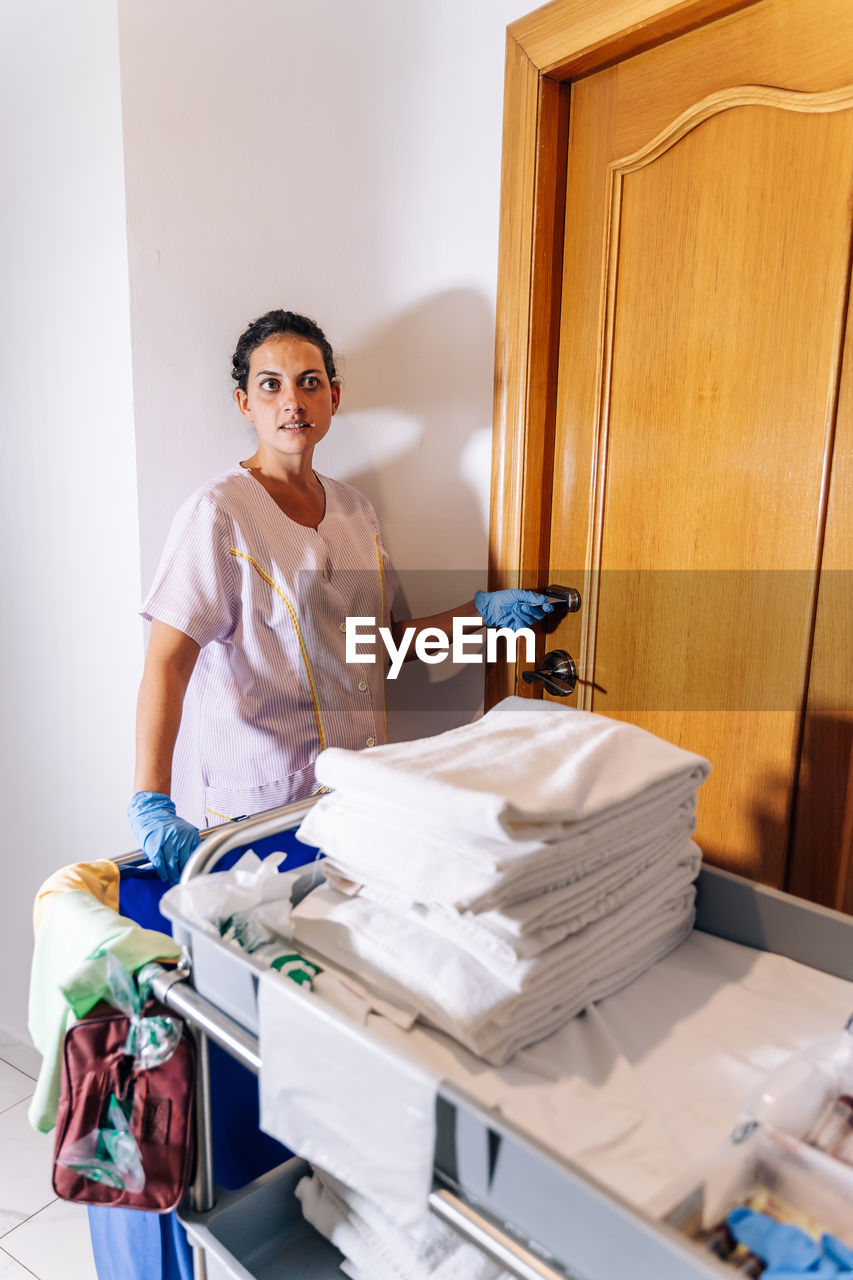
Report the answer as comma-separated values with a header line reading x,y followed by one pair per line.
x,y
723,265
705,286
802,45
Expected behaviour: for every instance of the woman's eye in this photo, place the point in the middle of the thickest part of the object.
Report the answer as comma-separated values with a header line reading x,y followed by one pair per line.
x,y
269,384
311,381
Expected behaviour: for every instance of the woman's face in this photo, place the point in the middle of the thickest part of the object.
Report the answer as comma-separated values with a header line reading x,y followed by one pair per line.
x,y
288,396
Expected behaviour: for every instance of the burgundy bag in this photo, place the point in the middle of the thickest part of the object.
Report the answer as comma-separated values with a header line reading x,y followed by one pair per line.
x,y
159,1102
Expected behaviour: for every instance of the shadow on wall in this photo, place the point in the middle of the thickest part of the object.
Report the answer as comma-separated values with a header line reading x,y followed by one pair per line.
x,y
802,838
763,855
821,865
433,366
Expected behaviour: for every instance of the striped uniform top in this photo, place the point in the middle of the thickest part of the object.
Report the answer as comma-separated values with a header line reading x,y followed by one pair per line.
x,y
267,599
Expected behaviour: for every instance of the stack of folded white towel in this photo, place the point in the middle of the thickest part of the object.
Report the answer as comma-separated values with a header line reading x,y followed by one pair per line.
x,y
375,1248
496,879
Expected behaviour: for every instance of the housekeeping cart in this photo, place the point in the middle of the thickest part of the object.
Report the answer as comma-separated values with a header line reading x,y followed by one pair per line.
x,y
536,1213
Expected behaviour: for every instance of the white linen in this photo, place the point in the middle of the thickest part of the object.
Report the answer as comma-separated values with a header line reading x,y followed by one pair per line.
x,y
501,939
567,908
427,974
524,771
349,1105
500,1040
644,1084
376,1249
398,851
584,817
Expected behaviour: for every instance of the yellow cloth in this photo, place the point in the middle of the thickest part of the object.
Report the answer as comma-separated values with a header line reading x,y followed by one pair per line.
x,y
101,879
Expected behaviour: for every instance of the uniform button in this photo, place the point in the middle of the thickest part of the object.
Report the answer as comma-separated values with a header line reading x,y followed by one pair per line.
x,y
371,742
362,686
325,573
342,627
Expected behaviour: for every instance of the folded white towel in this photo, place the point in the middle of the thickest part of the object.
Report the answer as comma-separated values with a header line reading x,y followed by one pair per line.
x,y
527,927
498,1042
379,940
522,772
400,852
489,937
571,906
376,1249
428,975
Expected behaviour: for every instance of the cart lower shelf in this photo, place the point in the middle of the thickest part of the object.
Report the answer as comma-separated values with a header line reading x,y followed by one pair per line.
x,y
258,1232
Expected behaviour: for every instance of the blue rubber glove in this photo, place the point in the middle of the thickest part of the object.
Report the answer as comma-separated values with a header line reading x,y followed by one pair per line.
x,y
837,1252
512,608
165,839
787,1250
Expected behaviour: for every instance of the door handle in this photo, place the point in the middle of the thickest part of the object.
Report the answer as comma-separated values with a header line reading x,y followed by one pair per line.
x,y
568,596
558,673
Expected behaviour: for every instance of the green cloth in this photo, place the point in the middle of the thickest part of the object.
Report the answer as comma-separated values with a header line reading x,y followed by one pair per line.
x,y
73,925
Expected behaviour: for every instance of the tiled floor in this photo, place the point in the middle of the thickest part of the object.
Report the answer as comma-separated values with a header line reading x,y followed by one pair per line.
x,y
39,1235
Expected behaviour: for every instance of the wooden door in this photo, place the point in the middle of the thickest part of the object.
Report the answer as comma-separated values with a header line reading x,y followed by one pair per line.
x,y
705,281
821,863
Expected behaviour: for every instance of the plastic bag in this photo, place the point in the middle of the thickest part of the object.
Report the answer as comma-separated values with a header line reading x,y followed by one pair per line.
x,y
802,1096
250,906
250,903
110,1153
768,1171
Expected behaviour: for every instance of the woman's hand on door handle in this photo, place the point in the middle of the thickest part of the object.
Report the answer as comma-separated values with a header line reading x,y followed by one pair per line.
x,y
513,608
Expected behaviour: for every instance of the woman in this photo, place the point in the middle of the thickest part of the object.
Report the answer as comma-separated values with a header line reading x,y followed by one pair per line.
x,y
245,677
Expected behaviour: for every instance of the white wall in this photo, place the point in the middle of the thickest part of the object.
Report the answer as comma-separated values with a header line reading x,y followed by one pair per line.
x,y
340,158
70,647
